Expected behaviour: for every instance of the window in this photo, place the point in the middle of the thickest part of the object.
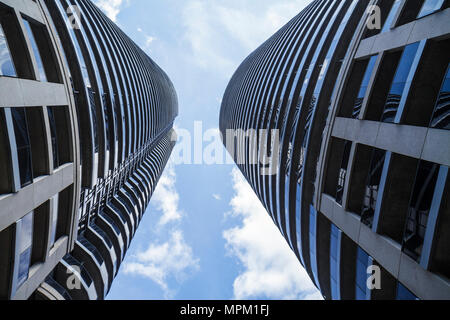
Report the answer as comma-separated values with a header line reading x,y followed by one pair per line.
x,y
6,63
52,123
54,219
388,24
362,262
372,186
23,145
343,171
430,6
312,243
441,115
37,54
24,243
364,85
334,262
399,83
419,208
404,294
60,135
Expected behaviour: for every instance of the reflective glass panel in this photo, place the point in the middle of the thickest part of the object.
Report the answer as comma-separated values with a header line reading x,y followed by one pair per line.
x,y
6,64
312,243
364,85
399,82
419,208
391,16
52,123
54,221
430,6
441,115
23,145
334,267
37,55
343,171
24,245
372,186
404,294
362,261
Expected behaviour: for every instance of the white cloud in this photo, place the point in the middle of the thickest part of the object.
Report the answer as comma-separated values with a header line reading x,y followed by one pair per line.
x,y
202,36
173,258
271,269
161,261
212,26
148,42
166,197
217,197
148,39
111,7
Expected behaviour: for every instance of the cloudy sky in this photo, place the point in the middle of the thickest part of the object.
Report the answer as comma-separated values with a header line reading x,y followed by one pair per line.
x,y
205,234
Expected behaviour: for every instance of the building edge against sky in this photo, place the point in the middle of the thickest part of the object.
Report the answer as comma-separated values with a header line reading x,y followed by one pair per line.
x,y
86,129
363,116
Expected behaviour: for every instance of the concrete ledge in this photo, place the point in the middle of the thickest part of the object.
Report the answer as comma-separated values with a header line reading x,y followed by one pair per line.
x,y
382,249
27,7
405,140
425,284
346,221
14,206
429,285
433,26
416,142
437,147
16,92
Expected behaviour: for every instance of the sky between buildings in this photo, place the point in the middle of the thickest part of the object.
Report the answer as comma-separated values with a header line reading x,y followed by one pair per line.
x,y
205,234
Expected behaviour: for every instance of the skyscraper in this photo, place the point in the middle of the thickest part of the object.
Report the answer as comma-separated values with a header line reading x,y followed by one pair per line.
x,y
86,123
340,123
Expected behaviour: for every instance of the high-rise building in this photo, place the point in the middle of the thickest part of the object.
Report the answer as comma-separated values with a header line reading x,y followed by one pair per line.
x,y
340,123
86,123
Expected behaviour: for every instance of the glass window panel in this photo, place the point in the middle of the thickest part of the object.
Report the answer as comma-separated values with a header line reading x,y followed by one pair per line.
x,y
361,274
390,18
419,208
406,62
399,82
25,166
334,247
360,294
334,290
364,85
23,145
343,171
52,123
429,7
37,55
20,127
441,115
6,64
372,186
362,260
333,268
54,222
369,70
404,294
24,245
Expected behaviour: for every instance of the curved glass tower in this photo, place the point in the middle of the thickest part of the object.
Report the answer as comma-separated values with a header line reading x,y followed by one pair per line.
x,y
340,122
86,123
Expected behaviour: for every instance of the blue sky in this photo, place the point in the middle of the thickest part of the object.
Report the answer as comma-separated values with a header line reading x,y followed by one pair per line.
x,y
205,234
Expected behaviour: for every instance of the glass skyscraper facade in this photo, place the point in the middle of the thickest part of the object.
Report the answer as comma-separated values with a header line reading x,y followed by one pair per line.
x,y
86,129
357,93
